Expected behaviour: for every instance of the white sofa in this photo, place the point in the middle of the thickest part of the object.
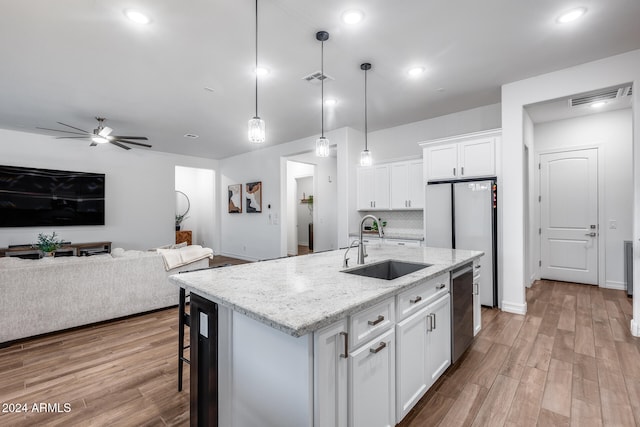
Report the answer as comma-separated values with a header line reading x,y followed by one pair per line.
x,y
52,294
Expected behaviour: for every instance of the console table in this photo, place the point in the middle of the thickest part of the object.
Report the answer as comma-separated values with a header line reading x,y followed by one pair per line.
x,y
183,236
69,249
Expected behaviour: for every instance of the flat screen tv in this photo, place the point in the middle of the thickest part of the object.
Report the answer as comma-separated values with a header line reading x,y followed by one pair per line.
x,y
31,197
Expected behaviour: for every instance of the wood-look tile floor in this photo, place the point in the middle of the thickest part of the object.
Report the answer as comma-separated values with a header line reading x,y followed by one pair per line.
x,y
569,361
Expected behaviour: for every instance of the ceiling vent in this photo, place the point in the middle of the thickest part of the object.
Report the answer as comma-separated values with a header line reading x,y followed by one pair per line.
x,y
600,95
317,77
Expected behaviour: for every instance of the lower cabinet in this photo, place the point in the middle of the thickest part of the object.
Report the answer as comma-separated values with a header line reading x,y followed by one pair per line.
x,y
423,352
330,371
372,382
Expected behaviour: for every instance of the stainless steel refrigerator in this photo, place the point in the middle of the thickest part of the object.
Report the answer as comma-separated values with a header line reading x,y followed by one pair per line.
x,y
463,215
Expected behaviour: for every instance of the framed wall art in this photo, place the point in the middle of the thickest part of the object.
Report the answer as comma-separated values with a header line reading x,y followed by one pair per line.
x,y
254,197
235,198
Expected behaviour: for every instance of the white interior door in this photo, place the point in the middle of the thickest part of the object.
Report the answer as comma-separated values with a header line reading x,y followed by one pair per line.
x,y
569,216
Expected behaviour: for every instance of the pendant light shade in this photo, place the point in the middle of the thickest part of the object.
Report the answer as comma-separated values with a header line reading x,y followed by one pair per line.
x,y
256,129
322,143
365,155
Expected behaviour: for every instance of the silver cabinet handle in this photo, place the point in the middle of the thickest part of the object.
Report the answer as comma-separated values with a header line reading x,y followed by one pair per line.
x,y
375,322
409,203
440,286
462,170
476,289
430,325
400,243
416,299
434,319
478,266
346,345
454,171
592,234
378,348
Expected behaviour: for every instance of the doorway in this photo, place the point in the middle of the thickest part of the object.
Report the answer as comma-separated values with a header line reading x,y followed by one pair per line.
x,y
569,216
296,207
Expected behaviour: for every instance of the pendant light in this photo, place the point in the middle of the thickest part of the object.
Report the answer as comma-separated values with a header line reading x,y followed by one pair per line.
x,y
365,155
322,143
256,131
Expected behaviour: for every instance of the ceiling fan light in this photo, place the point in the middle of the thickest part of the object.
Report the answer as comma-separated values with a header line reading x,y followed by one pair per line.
x,y
137,17
256,130
322,147
99,139
365,158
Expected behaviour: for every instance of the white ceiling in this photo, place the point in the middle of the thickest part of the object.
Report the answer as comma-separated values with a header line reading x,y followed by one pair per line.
x,y
70,60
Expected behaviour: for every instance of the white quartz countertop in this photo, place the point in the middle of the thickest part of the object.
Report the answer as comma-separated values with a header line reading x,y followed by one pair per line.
x,y
299,295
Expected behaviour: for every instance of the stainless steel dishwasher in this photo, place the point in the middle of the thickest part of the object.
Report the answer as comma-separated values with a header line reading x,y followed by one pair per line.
x,y
461,311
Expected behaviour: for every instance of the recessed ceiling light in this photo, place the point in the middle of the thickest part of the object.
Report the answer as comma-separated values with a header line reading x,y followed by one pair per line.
x,y
598,104
330,102
137,17
571,15
191,135
416,71
261,71
352,16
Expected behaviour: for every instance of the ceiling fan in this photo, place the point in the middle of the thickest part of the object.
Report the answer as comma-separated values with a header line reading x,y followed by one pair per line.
x,y
100,135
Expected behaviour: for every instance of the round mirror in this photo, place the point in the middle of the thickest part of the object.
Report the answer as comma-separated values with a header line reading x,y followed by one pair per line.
x,y
182,204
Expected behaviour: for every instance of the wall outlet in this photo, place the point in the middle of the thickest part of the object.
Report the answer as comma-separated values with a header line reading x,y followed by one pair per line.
x,y
613,224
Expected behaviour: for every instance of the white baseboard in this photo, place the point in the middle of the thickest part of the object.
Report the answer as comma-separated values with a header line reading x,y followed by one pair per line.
x,y
635,328
515,308
610,284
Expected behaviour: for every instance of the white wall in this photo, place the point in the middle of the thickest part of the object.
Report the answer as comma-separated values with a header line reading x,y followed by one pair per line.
x,y
199,185
257,236
603,73
400,142
611,133
530,202
139,188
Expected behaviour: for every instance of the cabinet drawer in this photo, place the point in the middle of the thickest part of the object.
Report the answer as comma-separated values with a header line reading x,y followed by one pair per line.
x,y
368,323
414,299
402,242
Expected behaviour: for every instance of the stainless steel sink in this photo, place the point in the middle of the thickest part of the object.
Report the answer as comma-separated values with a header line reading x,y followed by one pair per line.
x,y
388,270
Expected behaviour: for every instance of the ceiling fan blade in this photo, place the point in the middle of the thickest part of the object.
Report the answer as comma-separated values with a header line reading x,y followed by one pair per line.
x,y
72,137
60,130
72,127
131,142
144,138
120,145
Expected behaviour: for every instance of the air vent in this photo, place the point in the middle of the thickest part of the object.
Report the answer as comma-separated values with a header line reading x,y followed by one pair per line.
x,y
600,95
317,77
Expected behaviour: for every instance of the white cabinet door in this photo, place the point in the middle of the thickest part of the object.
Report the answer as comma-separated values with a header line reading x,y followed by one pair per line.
x,y
477,158
406,185
400,185
372,391
439,327
330,375
415,185
412,380
365,188
441,162
381,187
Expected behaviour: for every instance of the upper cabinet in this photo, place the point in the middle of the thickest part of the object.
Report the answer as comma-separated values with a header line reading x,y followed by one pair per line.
x,y
396,186
373,188
406,185
461,157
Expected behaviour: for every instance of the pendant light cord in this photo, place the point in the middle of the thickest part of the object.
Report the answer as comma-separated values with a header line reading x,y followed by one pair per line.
x,y
256,69
322,88
365,111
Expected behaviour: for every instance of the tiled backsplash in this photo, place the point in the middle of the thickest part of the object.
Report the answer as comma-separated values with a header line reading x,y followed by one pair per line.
x,y
400,222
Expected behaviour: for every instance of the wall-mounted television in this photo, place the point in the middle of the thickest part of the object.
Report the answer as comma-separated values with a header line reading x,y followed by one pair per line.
x,y
31,197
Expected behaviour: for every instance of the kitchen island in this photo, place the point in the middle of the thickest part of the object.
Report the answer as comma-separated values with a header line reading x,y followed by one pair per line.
x,y
286,342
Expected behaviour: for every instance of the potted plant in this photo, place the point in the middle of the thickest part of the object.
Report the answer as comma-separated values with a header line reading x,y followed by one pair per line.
x,y
179,219
48,243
